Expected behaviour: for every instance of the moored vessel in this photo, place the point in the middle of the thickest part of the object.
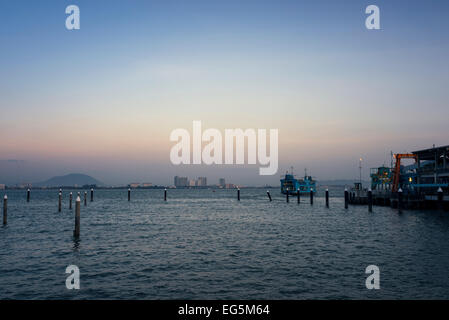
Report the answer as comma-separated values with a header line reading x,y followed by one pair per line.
x,y
291,185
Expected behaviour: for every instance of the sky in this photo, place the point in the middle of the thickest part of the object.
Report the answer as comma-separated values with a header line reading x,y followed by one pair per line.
x,y
104,99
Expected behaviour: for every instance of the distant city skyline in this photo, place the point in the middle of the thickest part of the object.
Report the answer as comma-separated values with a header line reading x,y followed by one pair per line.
x,y
186,182
103,100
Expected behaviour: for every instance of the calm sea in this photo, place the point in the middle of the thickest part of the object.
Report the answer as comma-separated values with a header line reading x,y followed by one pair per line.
x,y
202,244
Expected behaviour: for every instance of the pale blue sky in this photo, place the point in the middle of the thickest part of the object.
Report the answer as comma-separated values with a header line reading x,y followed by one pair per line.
x,y
103,100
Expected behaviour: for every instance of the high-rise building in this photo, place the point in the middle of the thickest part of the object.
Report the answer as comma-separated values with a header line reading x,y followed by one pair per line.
x,y
222,182
181,181
201,182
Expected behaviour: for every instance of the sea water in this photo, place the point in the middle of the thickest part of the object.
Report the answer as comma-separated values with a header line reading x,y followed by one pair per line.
x,y
204,244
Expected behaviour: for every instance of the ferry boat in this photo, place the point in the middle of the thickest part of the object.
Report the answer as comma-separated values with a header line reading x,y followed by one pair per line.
x,y
291,185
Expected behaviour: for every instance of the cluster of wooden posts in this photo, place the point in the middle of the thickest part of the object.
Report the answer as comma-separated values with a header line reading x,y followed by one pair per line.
x,y
298,196
76,231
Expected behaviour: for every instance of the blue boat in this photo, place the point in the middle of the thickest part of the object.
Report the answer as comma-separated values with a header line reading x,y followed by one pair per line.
x,y
291,185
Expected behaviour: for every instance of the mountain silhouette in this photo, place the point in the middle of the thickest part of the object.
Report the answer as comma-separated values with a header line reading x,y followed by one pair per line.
x,y
70,180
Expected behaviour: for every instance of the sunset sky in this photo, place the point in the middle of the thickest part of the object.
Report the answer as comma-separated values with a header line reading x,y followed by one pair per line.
x,y
103,100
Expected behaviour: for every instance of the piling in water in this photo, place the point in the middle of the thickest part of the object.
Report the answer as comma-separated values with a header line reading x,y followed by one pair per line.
x,y
269,195
346,198
400,200
298,196
440,199
60,201
5,210
238,194
286,196
311,197
28,195
165,194
327,198
85,198
91,195
70,200
370,200
76,232
129,194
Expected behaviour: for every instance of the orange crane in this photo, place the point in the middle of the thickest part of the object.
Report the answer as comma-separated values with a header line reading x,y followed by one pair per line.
x,y
397,167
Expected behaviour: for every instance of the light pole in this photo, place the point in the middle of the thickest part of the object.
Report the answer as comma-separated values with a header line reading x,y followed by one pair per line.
x,y
360,167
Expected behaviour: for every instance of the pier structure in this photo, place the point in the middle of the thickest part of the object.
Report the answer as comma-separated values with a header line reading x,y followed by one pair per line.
x,y
424,183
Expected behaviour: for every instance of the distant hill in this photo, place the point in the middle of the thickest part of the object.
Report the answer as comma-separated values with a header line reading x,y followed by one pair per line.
x,y
70,180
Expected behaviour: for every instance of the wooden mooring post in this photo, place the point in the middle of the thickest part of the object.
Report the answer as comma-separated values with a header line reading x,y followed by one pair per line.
x,y
60,201
129,194
28,195
70,200
269,195
400,200
370,200
76,232
91,195
346,198
85,198
440,199
298,195
165,194
311,197
286,196
238,194
327,198
5,210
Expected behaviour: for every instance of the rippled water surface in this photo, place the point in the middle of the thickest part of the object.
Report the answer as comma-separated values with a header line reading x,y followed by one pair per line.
x,y
202,244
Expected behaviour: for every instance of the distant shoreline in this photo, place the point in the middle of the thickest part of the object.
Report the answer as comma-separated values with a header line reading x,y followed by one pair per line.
x,y
166,187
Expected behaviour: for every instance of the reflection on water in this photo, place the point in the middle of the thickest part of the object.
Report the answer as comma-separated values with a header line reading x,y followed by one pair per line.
x,y
76,244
